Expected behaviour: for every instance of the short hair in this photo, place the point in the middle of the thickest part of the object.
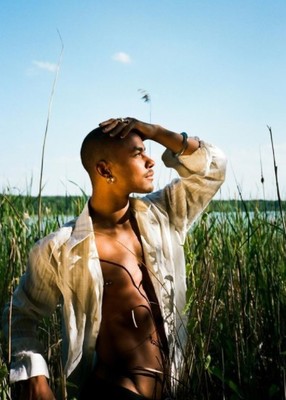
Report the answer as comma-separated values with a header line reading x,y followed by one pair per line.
x,y
95,147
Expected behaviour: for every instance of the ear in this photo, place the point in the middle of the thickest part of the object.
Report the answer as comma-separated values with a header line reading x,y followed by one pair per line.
x,y
102,168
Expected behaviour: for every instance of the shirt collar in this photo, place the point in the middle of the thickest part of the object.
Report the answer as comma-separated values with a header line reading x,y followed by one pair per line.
x,y
82,228
139,204
83,225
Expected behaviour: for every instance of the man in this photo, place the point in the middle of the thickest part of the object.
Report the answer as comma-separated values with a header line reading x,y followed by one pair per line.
x,y
118,269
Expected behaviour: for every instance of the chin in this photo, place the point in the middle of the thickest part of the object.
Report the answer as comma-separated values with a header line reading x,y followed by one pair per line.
x,y
145,190
150,188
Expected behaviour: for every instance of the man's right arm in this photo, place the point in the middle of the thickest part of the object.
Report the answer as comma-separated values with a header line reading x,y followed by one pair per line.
x,y
36,388
35,297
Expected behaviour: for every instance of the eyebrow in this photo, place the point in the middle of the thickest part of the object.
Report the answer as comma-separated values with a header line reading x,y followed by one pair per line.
x,y
139,148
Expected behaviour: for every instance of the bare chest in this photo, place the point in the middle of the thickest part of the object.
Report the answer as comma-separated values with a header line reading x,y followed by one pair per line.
x,y
120,253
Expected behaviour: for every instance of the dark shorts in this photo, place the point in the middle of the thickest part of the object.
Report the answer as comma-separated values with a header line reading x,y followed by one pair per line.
x,y
103,390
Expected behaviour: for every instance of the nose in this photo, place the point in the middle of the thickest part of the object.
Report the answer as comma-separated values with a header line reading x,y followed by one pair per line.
x,y
149,162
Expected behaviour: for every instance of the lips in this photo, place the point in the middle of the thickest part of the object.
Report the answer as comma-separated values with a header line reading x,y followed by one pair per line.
x,y
149,175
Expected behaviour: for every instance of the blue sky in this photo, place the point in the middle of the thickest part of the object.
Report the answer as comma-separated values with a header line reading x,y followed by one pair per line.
x,y
215,69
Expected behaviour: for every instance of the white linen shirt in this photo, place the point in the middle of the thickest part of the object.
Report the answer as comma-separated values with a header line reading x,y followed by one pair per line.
x,y
64,268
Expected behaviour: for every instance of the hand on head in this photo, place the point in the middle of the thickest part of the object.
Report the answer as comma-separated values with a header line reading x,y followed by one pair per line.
x,y
123,126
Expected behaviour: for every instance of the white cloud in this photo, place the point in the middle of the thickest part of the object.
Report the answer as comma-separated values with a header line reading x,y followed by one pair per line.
x,y
46,65
122,57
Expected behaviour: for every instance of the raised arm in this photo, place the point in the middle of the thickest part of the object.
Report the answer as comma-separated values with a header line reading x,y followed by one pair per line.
x,y
178,143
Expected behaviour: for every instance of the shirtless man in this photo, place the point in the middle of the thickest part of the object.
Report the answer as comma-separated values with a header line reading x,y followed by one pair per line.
x,y
132,351
118,269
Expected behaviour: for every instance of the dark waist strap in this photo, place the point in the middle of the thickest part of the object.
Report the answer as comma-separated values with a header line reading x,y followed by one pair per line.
x,y
100,389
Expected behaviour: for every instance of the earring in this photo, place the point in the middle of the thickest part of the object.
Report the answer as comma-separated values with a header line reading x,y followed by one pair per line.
x,y
110,179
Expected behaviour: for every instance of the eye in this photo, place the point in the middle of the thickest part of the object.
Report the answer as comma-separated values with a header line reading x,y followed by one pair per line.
x,y
139,152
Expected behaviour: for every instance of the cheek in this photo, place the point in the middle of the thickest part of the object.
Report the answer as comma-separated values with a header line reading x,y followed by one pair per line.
x,y
123,175
131,172
131,169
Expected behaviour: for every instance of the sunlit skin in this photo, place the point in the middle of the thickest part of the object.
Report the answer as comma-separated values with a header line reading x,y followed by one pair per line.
x,y
131,334
130,166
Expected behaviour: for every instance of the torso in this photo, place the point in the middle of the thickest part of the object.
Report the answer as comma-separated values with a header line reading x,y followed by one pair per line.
x,y
131,339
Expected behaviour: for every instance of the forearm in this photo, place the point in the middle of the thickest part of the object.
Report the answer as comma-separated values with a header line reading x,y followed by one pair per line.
x,y
20,323
175,141
171,140
36,388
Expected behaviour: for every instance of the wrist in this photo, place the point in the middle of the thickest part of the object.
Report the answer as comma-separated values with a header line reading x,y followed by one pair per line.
x,y
184,145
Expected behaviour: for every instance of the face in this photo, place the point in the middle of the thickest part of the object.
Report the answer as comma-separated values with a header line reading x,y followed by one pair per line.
x,y
131,167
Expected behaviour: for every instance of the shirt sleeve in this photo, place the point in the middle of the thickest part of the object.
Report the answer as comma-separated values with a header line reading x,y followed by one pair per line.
x,y
35,297
201,175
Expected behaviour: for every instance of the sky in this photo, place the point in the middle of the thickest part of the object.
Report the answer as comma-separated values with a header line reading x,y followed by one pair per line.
x,y
212,68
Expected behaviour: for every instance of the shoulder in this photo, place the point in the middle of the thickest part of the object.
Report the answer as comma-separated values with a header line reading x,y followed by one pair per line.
x,y
55,239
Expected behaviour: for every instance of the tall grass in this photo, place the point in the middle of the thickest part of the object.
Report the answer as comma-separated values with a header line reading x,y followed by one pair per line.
x,y
46,134
237,307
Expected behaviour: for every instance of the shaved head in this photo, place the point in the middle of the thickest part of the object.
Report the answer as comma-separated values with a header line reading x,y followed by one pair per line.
x,y
97,146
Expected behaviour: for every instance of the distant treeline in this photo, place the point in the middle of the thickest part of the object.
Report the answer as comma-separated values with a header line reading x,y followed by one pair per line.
x,y
245,205
71,205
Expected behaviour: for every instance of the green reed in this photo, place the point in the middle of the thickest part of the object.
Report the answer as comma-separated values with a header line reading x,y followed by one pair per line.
x,y
236,297
236,306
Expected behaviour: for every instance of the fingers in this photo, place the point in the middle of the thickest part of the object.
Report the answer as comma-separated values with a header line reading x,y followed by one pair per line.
x,y
117,127
108,125
111,120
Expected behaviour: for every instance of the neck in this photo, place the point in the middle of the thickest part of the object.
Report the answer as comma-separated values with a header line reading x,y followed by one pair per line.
x,y
109,213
